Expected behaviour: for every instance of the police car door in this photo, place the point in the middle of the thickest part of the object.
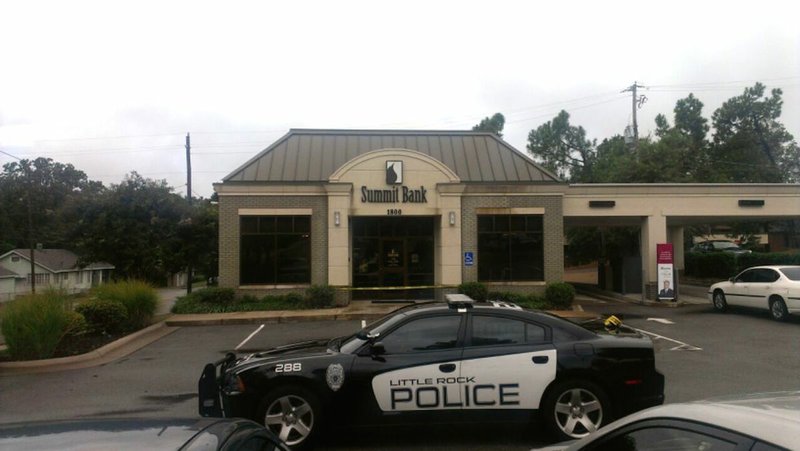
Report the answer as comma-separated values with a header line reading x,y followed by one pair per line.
x,y
416,371
507,363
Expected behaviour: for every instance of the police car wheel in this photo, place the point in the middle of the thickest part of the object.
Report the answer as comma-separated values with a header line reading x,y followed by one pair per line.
x,y
574,409
292,413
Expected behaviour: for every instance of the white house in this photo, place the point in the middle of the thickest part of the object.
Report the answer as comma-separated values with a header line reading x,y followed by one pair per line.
x,y
54,268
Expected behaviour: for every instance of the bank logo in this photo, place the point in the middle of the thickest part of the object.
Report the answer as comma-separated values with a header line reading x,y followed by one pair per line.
x,y
394,172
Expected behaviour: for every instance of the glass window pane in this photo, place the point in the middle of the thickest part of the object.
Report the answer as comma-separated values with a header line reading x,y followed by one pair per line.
x,y
501,223
266,224
284,224
249,224
534,333
516,223
365,255
527,256
490,330
485,223
293,252
534,223
425,334
493,257
257,259
302,224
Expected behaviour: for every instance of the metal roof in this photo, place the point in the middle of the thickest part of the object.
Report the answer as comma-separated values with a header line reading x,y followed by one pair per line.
x,y
305,155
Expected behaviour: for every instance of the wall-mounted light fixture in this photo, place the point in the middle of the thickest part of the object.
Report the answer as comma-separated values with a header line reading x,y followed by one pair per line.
x,y
452,218
336,218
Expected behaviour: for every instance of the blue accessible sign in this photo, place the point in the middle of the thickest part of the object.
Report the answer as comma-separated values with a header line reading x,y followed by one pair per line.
x,y
469,258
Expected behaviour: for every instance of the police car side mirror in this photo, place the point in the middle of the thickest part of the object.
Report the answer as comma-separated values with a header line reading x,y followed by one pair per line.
x,y
377,349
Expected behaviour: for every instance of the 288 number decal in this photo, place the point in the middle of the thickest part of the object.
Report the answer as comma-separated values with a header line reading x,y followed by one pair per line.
x,y
288,367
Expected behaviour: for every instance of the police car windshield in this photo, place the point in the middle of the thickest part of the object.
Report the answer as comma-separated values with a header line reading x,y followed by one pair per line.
x,y
353,342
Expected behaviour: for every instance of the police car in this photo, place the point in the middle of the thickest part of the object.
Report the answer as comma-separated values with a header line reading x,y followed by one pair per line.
x,y
460,361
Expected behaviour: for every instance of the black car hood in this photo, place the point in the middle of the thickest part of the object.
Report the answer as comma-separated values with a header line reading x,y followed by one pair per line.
x,y
303,349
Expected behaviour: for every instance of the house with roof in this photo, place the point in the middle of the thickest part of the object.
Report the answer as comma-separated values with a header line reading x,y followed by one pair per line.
x,y
54,268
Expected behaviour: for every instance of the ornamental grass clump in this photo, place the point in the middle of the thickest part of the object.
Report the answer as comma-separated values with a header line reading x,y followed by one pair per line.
x,y
34,325
139,299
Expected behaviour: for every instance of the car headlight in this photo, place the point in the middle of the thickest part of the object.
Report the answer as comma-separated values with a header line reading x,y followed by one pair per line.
x,y
232,384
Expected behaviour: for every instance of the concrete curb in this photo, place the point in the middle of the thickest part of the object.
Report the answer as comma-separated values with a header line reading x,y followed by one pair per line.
x,y
112,351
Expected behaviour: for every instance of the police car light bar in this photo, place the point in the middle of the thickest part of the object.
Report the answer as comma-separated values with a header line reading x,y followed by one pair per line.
x,y
459,300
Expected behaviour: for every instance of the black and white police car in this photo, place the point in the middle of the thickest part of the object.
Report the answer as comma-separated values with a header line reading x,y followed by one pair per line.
x,y
460,361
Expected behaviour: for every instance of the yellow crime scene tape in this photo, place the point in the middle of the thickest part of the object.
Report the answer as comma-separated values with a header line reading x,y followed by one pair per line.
x,y
417,287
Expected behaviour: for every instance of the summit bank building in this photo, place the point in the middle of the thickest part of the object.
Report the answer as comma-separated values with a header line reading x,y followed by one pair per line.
x,y
402,214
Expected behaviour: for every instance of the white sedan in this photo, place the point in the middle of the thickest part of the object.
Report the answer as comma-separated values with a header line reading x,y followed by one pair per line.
x,y
775,288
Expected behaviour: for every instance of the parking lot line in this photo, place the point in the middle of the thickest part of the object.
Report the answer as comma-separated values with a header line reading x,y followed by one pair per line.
x,y
249,337
681,345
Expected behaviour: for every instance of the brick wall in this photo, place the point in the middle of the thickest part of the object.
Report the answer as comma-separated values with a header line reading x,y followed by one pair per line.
x,y
553,223
229,232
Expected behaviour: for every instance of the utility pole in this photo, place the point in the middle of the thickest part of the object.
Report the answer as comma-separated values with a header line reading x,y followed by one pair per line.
x,y
634,102
189,201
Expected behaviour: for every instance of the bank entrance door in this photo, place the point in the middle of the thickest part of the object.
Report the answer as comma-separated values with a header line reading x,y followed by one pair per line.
x,y
392,256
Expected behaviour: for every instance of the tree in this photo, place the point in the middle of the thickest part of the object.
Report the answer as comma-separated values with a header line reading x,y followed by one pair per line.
x,y
492,124
134,226
750,144
563,148
48,185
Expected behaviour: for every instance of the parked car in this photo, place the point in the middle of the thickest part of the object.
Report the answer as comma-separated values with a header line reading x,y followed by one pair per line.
x,y
139,434
720,246
441,362
775,288
761,422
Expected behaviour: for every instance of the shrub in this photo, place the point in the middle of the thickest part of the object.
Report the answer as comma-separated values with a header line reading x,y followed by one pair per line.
x,y
721,265
216,296
139,299
533,302
559,295
475,290
34,325
319,296
505,296
104,316
76,325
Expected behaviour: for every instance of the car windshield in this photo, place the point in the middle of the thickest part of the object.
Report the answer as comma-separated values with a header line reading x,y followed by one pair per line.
x,y
350,343
791,273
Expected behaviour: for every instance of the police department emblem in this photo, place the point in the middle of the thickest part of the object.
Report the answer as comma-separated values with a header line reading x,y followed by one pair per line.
x,y
335,376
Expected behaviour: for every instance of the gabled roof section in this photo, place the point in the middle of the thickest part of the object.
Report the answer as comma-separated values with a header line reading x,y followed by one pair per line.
x,y
57,260
306,155
6,274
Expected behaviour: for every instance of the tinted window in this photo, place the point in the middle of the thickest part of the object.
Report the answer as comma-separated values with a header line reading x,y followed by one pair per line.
x,y
747,276
768,275
491,330
510,247
275,249
425,334
791,273
666,438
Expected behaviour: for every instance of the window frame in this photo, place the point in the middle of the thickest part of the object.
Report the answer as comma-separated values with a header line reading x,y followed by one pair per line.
x,y
548,333
459,339
274,234
508,236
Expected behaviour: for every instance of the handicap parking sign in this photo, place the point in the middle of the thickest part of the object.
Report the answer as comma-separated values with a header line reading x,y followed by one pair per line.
x,y
469,258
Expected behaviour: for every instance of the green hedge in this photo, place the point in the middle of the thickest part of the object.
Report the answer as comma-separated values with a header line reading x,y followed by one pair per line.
x,y
104,316
222,300
558,296
34,325
723,265
139,299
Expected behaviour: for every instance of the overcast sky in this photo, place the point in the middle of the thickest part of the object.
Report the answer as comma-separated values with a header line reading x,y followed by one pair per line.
x,y
113,86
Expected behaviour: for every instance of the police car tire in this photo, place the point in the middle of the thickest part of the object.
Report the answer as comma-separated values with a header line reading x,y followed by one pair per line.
x,y
297,395
589,392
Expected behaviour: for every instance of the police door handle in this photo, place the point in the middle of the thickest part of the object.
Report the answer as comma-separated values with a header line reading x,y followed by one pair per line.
x,y
447,367
538,359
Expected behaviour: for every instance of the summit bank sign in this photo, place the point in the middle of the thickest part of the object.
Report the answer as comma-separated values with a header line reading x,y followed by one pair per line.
x,y
396,194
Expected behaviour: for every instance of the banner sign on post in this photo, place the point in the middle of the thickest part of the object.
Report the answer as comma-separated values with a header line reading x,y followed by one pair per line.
x,y
666,278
